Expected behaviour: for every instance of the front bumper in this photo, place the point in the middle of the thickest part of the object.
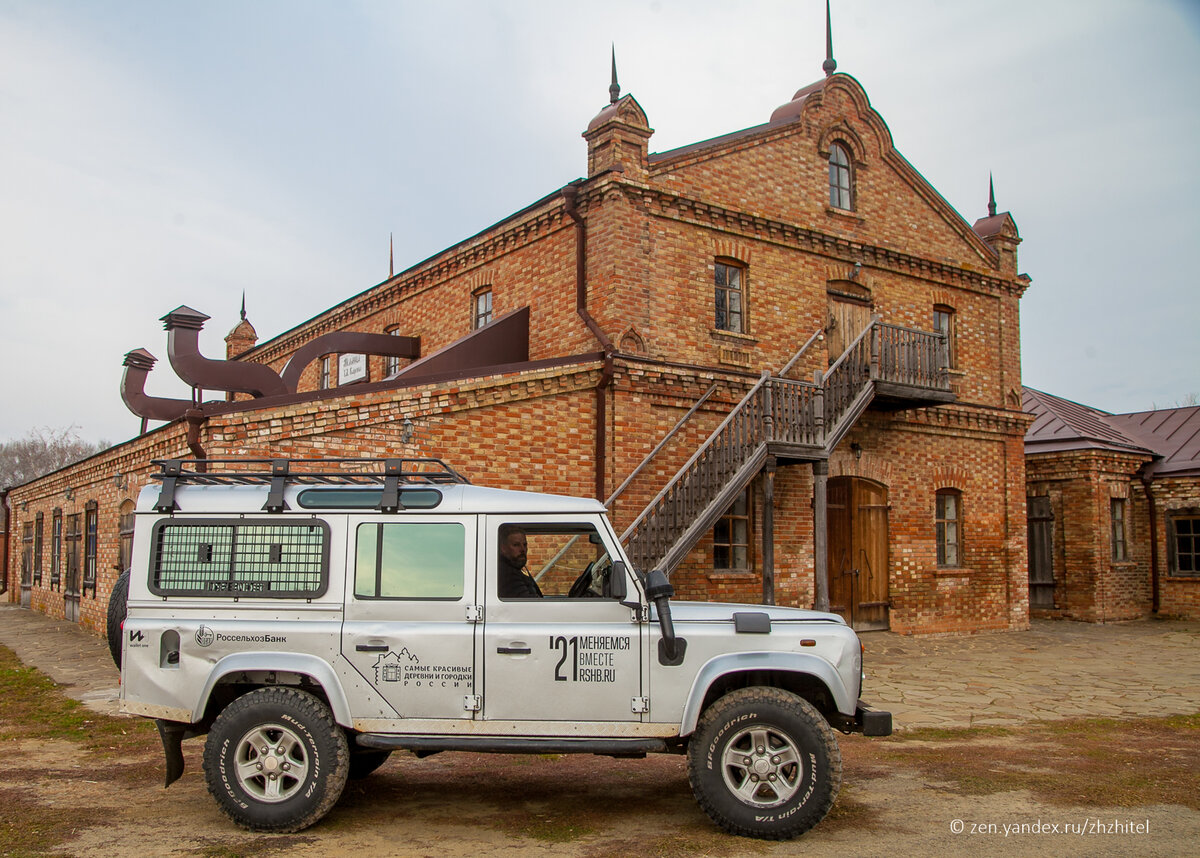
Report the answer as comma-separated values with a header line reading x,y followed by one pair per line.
x,y
868,721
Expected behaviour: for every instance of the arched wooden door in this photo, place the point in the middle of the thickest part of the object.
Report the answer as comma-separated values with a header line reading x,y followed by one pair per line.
x,y
858,551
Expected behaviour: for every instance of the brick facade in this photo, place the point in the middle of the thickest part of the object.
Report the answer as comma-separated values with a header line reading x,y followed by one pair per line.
x,y
613,367
1086,469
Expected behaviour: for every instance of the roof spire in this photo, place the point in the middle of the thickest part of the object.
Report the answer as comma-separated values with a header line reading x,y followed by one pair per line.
x,y
614,88
991,196
830,64
243,305
391,257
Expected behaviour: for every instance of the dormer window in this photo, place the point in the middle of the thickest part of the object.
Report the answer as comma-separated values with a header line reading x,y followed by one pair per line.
x,y
841,188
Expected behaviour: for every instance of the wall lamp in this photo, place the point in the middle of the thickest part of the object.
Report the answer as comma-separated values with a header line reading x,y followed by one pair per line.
x,y
69,494
406,431
856,449
121,481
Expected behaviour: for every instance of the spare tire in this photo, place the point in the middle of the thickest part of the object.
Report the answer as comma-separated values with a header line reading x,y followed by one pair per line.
x,y
117,609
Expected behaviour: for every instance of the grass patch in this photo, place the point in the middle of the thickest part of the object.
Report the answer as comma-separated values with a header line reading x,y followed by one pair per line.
x,y
32,707
1092,761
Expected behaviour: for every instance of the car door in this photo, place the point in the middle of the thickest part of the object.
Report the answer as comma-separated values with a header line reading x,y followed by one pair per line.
x,y
410,602
560,657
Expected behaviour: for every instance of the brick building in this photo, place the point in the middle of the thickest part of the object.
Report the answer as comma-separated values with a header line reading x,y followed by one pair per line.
x,y
789,365
1114,511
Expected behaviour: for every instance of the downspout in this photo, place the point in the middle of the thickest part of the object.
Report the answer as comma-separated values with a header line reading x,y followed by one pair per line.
x,y
195,419
7,540
1147,478
570,196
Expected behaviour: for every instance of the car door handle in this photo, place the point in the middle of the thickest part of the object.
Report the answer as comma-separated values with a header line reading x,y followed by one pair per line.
x,y
513,650
372,648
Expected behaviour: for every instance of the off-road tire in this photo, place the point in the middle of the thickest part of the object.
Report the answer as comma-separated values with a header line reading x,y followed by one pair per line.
x,y
764,763
118,607
363,763
306,751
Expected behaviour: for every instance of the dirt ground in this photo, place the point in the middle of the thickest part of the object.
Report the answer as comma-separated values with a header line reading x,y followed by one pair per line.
x,y
81,784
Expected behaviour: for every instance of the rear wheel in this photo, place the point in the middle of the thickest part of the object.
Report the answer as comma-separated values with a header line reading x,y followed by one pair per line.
x,y
764,763
275,760
118,601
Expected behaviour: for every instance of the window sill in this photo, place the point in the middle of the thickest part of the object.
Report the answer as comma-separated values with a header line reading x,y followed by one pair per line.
x,y
953,572
845,214
1189,578
731,575
734,336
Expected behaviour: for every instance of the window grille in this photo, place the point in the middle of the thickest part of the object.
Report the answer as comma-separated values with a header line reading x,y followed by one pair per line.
x,y
246,558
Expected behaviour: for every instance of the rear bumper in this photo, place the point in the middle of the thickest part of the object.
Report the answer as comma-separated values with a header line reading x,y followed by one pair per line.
x,y
868,721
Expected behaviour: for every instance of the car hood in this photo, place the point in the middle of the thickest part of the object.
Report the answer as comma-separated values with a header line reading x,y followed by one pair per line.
x,y
715,612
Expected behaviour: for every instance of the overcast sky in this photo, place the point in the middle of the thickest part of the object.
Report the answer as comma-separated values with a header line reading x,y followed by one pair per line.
x,y
154,154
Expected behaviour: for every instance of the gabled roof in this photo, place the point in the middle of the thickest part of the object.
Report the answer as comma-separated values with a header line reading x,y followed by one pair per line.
x,y
1172,433
1061,424
1170,437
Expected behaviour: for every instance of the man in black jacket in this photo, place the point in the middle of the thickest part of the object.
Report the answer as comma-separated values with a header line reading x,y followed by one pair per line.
x,y
514,582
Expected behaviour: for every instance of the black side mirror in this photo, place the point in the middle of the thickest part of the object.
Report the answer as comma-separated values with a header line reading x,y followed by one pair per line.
x,y
615,585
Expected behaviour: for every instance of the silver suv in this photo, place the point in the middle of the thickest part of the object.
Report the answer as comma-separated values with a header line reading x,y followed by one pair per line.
x,y
311,617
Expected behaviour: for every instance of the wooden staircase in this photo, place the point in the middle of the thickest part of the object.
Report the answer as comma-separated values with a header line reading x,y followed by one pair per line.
x,y
794,421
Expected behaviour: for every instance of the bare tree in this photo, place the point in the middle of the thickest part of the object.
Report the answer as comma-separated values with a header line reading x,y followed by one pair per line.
x,y
41,451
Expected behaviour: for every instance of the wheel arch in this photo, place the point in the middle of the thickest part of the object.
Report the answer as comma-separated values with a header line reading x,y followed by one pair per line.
x,y
314,669
809,677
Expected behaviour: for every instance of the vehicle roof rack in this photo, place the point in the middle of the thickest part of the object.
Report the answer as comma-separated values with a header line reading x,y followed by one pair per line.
x,y
279,473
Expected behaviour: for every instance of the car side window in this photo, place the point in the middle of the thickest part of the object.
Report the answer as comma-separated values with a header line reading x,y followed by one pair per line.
x,y
410,560
551,561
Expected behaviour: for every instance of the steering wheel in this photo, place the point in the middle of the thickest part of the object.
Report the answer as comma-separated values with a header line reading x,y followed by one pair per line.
x,y
583,584
594,574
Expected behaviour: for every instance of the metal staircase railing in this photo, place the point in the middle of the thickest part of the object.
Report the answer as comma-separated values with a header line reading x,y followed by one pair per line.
x,y
807,418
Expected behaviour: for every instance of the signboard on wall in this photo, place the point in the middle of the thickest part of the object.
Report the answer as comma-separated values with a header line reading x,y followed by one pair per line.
x,y
351,368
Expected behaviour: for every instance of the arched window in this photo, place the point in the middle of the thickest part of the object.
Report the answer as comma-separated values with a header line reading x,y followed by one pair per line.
x,y
948,517
841,189
91,545
944,322
729,282
481,307
391,364
731,537
125,536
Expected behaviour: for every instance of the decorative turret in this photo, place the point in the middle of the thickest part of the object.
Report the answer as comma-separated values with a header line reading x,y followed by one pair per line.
x,y
242,338
1000,233
618,137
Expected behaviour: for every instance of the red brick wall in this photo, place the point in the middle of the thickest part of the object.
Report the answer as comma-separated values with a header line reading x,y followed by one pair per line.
x,y
1091,585
652,236
1179,596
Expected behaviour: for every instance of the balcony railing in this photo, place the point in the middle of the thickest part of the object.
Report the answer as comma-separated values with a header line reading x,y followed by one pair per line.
x,y
780,411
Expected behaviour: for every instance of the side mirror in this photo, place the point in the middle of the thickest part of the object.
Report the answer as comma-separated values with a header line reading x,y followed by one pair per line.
x,y
615,585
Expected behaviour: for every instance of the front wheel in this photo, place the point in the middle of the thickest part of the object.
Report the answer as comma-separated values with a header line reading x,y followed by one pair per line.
x,y
764,763
275,760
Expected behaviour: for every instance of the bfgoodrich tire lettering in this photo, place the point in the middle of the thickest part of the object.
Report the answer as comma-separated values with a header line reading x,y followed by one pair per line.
x,y
764,763
275,760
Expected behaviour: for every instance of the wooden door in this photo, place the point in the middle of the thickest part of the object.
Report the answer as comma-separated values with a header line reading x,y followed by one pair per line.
x,y
847,319
858,551
1040,517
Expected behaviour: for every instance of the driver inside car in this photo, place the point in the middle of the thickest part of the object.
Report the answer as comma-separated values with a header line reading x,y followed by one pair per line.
x,y
514,580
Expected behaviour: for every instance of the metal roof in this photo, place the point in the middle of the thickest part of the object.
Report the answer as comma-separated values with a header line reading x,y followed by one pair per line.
x,y
1169,438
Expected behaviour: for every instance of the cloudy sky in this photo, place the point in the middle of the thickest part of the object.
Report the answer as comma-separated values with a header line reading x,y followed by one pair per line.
x,y
155,154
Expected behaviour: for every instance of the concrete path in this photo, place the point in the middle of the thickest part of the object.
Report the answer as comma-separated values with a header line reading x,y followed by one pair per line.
x,y
1057,669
